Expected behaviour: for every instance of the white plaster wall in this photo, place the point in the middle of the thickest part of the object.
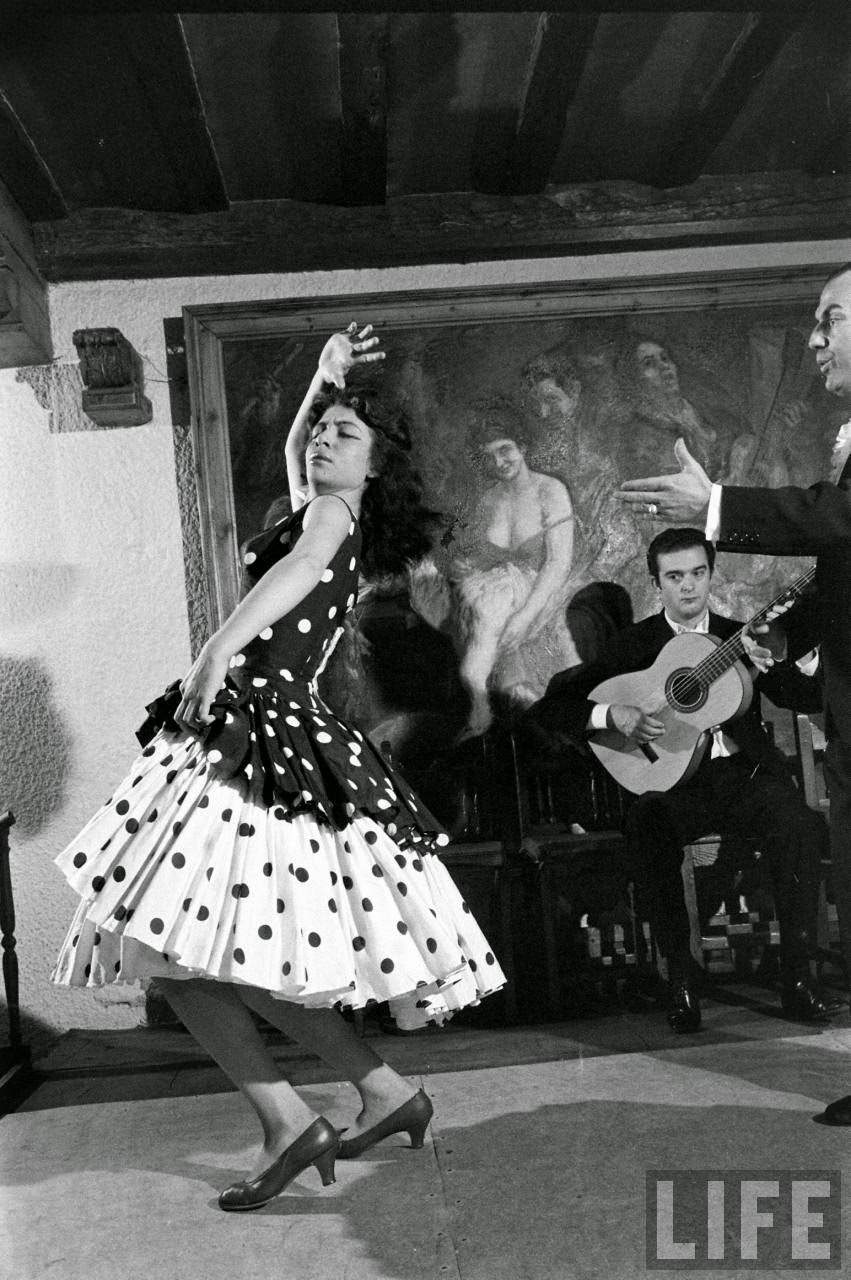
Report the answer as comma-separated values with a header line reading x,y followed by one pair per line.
x,y
92,602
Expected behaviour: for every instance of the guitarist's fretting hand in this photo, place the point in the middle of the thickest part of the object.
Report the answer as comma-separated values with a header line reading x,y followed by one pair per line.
x,y
773,649
757,655
634,723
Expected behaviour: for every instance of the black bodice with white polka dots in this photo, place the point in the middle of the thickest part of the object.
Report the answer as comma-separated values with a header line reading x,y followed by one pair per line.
x,y
297,645
272,728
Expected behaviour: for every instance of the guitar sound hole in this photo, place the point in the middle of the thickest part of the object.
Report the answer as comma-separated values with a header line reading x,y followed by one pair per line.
x,y
683,691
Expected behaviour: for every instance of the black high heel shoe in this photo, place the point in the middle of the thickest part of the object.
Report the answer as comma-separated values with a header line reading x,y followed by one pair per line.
x,y
317,1145
413,1116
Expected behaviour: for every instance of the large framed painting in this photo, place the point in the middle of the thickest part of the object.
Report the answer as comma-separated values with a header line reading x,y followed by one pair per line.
x,y
528,406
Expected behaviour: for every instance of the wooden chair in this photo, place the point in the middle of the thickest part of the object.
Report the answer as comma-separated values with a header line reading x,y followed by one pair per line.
x,y
481,837
809,747
730,938
571,843
810,758
15,1068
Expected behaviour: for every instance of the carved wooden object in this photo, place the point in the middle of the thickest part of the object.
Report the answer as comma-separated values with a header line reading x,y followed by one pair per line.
x,y
112,377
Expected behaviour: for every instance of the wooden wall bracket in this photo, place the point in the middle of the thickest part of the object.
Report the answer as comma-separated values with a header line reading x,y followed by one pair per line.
x,y
113,382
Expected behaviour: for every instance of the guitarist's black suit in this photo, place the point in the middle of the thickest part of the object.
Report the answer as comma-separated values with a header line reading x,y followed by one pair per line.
x,y
748,794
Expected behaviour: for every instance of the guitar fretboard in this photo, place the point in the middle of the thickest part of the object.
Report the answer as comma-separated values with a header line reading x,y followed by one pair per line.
x,y
725,655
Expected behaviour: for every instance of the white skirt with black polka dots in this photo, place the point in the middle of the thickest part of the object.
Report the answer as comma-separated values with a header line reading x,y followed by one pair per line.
x,y
203,878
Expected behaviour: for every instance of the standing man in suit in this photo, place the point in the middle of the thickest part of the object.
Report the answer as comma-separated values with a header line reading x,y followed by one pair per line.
x,y
741,787
794,521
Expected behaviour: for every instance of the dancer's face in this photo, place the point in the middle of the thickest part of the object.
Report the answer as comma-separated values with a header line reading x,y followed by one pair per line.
x,y
504,459
339,452
684,578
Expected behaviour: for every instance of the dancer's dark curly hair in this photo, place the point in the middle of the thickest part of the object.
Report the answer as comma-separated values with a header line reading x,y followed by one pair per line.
x,y
397,527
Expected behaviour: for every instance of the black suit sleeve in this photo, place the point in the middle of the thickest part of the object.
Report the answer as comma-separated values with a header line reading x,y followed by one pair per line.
x,y
565,707
785,522
786,686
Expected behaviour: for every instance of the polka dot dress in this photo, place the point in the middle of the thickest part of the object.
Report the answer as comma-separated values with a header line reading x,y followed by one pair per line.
x,y
283,851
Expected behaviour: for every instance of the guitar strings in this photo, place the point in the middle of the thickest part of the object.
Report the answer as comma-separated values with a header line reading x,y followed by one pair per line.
x,y
716,663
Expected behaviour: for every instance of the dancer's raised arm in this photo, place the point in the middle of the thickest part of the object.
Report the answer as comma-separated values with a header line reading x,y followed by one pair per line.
x,y
341,352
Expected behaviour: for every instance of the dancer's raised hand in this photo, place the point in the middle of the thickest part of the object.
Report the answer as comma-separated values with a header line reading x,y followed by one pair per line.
x,y
344,350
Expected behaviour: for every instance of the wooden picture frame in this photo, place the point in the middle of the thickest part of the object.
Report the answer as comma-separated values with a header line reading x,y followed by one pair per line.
x,y
212,329
740,341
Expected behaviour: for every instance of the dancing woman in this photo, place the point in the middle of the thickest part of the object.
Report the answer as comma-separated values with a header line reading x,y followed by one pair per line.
x,y
261,855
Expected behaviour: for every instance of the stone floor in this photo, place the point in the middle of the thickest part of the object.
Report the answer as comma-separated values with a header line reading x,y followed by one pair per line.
x,y
535,1166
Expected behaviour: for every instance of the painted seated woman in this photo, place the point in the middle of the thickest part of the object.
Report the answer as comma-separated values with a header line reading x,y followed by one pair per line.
x,y
509,577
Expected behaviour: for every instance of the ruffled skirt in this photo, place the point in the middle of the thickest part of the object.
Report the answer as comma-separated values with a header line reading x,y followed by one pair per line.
x,y
189,870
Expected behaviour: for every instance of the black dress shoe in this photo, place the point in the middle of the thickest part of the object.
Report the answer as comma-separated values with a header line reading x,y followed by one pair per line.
x,y
836,1113
317,1145
412,1116
683,1008
802,1004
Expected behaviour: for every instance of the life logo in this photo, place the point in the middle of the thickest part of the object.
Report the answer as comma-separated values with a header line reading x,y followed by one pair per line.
x,y
748,1219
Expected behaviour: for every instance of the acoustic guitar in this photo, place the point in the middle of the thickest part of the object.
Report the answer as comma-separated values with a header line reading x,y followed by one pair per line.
x,y
696,684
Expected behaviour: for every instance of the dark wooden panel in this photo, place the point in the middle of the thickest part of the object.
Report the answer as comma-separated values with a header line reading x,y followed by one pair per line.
x,y
287,236
29,7
271,93
800,115
638,71
701,126
520,157
23,171
113,110
363,104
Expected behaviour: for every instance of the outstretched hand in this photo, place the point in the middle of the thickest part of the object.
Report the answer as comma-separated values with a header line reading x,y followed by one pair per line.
x,y
678,499
344,350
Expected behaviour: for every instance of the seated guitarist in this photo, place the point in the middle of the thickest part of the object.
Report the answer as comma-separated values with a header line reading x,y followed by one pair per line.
x,y
742,787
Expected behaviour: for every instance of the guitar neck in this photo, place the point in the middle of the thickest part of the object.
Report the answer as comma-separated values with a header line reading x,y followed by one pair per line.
x,y
728,653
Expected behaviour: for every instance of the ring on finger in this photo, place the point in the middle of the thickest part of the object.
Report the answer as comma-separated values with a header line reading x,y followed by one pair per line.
x,y
652,509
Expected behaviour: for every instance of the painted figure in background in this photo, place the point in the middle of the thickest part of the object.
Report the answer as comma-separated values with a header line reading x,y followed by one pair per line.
x,y
567,396
661,412
504,591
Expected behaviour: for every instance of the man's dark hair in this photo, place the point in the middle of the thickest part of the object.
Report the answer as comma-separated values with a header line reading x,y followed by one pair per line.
x,y
676,540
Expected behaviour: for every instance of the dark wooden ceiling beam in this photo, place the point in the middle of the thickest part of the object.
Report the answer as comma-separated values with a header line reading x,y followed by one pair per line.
x,y
113,109
27,8
701,129
517,141
23,171
363,108
560,50
284,236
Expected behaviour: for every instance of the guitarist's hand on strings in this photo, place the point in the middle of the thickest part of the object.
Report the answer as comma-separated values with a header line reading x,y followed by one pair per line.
x,y
634,723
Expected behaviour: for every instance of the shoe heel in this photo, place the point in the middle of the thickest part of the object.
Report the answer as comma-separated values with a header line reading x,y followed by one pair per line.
x,y
416,1132
325,1166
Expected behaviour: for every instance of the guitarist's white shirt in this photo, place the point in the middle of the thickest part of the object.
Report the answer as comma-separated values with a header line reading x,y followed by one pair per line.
x,y
722,744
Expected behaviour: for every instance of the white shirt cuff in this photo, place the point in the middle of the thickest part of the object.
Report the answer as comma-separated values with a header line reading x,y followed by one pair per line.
x,y
597,719
713,515
808,665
